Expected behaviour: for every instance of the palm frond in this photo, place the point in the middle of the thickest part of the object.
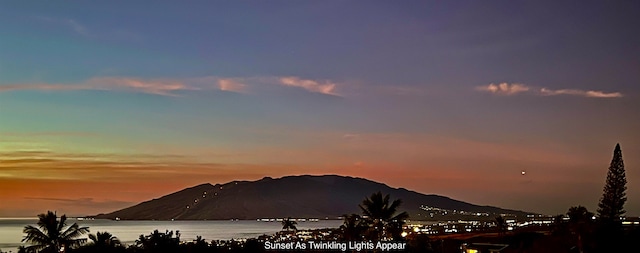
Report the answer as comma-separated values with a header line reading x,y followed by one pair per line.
x,y
74,231
75,242
400,217
93,238
37,248
62,223
34,235
52,232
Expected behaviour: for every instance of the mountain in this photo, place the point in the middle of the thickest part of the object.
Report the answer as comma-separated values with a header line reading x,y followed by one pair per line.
x,y
321,197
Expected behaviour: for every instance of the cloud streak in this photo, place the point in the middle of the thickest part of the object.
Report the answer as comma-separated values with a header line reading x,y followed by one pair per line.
x,y
158,87
582,93
507,89
86,202
77,27
68,23
234,85
504,88
326,87
154,86
40,134
173,87
43,87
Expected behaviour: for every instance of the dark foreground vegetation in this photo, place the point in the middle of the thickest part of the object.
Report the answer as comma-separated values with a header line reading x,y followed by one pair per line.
x,y
380,222
578,231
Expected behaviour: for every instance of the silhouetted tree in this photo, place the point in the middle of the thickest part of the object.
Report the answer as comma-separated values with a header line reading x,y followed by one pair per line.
x,y
253,246
198,245
580,220
419,243
159,242
559,224
287,224
53,235
381,216
353,227
200,242
611,205
501,224
104,240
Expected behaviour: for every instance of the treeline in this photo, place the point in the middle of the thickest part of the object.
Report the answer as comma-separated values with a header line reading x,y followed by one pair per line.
x,y
583,231
155,242
603,232
379,221
580,230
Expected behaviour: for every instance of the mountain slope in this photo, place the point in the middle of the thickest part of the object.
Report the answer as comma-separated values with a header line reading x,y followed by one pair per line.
x,y
293,196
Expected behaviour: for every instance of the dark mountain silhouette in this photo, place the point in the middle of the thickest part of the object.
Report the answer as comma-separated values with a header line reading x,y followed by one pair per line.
x,y
293,196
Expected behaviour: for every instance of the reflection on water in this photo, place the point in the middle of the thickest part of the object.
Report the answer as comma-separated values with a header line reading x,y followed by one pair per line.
x,y
129,231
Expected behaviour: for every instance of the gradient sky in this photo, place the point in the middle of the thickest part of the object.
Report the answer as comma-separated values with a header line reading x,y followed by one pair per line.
x,y
106,104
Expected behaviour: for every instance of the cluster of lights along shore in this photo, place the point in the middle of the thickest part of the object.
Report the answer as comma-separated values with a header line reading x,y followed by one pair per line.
x,y
335,245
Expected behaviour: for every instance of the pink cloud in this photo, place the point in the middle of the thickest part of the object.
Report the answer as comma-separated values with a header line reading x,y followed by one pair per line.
x,y
171,87
583,93
516,88
158,87
504,88
228,84
325,87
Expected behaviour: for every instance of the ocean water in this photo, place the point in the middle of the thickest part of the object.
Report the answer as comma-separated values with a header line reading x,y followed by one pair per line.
x,y
128,231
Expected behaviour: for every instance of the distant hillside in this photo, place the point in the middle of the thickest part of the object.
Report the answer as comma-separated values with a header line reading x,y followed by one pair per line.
x,y
293,196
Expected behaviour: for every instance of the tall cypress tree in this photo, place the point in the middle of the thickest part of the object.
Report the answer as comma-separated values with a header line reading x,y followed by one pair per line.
x,y
611,205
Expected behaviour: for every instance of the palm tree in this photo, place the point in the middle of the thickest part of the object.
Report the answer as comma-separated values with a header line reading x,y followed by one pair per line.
x,y
200,244
353,227
381,215
159,242
196,246
53,235
104,240
287,224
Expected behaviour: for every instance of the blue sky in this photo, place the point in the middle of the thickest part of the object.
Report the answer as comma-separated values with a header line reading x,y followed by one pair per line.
x,y
453,98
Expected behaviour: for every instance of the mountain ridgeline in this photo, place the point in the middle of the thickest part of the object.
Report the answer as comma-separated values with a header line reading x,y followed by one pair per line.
x,y
319,197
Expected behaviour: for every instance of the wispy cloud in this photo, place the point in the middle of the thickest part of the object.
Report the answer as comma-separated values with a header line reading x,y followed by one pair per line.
x,y
504,88
68,23
45,87
157,87
326,87
77,27
114,168
86,202
40,134
229,84
583,93
173,87
515,88
350,136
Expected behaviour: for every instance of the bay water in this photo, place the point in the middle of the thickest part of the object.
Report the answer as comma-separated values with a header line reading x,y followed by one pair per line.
x,y
128,231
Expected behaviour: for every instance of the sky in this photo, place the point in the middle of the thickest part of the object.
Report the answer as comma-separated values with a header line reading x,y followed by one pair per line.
x,y
107,104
